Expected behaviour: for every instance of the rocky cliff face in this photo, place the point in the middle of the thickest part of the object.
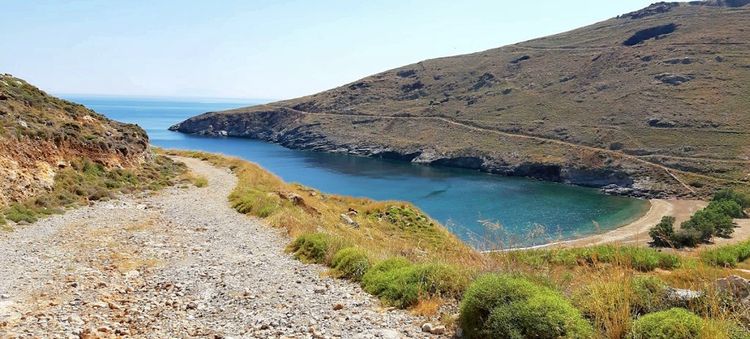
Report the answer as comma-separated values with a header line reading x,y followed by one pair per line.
x,y
652,103
40,134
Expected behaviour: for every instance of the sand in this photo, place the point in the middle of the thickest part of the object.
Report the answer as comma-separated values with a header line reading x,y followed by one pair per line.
x,y
636,233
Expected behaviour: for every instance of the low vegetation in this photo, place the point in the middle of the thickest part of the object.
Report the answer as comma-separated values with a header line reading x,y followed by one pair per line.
x,y
84,181
727,256
502,306
408,260
351,263
675,323
637,258
713,221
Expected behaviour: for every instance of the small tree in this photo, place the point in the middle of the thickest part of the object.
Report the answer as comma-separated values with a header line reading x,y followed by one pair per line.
x,y
741,199
727,207
663,233
707,222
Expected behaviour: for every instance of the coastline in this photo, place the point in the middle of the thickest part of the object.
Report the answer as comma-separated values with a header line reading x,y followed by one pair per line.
x,y
636,232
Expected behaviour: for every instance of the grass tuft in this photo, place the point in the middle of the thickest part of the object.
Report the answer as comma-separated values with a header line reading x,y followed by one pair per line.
x,y
310,248
400,283
350,263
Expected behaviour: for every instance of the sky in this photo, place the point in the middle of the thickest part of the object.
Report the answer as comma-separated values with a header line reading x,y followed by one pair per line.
x,y
258,49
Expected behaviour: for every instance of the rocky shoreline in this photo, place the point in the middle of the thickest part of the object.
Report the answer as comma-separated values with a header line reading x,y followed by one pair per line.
x,y
306,137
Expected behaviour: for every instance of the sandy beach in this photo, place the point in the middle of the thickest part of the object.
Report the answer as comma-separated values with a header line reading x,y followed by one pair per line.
x,y
636,233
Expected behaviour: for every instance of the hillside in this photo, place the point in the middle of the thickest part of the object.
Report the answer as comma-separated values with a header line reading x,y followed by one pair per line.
x,y
651,103
42,136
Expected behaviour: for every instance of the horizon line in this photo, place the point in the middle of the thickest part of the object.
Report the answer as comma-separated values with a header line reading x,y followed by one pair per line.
x,y
162,97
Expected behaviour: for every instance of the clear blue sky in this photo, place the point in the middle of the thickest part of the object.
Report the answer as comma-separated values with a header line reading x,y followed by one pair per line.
x,y
259,49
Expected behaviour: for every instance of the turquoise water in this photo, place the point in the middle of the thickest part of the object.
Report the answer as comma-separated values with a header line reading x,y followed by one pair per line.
x,y
530,212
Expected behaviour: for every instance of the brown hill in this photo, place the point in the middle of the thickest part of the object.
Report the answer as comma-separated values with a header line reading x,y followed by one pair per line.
x,y
41,134
656,102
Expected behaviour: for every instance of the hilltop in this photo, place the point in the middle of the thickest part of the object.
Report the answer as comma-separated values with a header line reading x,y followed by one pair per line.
x,y
651,103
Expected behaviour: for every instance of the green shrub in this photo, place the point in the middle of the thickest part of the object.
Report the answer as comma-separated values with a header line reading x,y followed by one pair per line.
x,y
501,306
351,263
643,259
400,283
255,202
723,329
741,199
727,207
727,256
310,247
649,294
19,212
709,223
663,233
687,238
200,182
675,323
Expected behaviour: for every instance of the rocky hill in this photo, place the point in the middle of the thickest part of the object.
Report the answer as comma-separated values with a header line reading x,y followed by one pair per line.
x,y
653,103
40,135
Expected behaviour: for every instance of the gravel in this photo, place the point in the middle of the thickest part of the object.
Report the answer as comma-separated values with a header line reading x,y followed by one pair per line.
x,y
177,263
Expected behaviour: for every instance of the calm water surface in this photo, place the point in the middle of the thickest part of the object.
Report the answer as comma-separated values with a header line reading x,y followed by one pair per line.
x,y
530,212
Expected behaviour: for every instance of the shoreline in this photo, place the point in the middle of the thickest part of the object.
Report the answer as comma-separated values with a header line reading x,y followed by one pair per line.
x,y
633,233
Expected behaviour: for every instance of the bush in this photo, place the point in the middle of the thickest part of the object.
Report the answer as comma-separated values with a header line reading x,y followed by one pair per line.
x,y
311,247
501,306
709,222
649,294
200,181
714,220
350,263
675,323
687,238
727,256
643,259
663,233
400,283
727,207
741,199
255,202
18,213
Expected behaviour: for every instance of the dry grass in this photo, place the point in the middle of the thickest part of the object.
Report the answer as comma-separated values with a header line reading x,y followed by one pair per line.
x,y
299,210
192,178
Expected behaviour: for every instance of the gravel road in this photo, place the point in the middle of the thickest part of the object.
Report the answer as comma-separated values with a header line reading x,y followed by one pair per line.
x,y
178,263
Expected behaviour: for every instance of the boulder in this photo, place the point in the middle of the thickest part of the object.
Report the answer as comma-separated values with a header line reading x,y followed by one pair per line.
x,y
681,296
736,286
661,123
348,220
674,79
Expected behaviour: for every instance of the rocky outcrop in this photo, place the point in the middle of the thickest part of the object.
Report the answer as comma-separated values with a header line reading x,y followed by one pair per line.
x,y
40,134
674,79
655,32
